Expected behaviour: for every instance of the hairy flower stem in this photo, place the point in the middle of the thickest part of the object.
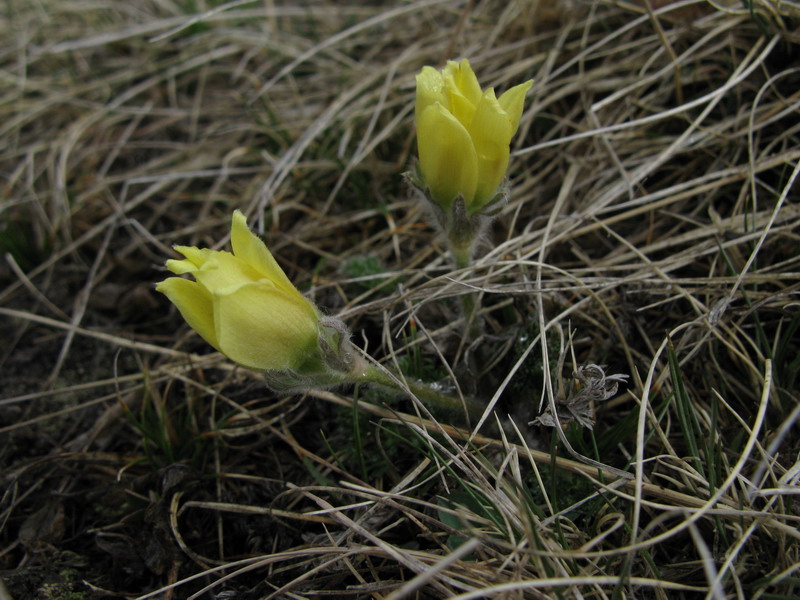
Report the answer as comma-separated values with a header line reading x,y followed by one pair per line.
x,y
364,372
461,251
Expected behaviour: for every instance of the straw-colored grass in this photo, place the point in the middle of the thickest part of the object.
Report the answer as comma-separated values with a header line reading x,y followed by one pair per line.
x,y
651,229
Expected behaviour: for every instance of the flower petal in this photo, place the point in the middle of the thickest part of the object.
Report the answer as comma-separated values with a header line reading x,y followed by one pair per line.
x,y
460,107
179,267
513,101
491,133
263,328
224,271
430,89
249,248
194,255
446,155
194,304
195,258
464,79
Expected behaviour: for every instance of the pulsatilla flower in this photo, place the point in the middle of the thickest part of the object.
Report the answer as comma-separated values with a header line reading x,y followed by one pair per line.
x,y
464,134
243,304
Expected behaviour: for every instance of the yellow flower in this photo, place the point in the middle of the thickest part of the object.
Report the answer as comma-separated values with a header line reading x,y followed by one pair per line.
x,y
464,134
243,304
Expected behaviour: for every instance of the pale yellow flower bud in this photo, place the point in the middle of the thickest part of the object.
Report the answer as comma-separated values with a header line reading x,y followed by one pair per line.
x,y
243,304
464,134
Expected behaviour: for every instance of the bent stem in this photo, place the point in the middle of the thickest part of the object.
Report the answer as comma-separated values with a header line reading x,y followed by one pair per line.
x,y
427,394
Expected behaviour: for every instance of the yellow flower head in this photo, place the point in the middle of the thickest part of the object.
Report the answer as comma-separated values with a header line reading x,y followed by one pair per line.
x,y
464,134
243,304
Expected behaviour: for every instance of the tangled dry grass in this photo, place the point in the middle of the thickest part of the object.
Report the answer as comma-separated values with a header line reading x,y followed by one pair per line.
x,y
652,230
